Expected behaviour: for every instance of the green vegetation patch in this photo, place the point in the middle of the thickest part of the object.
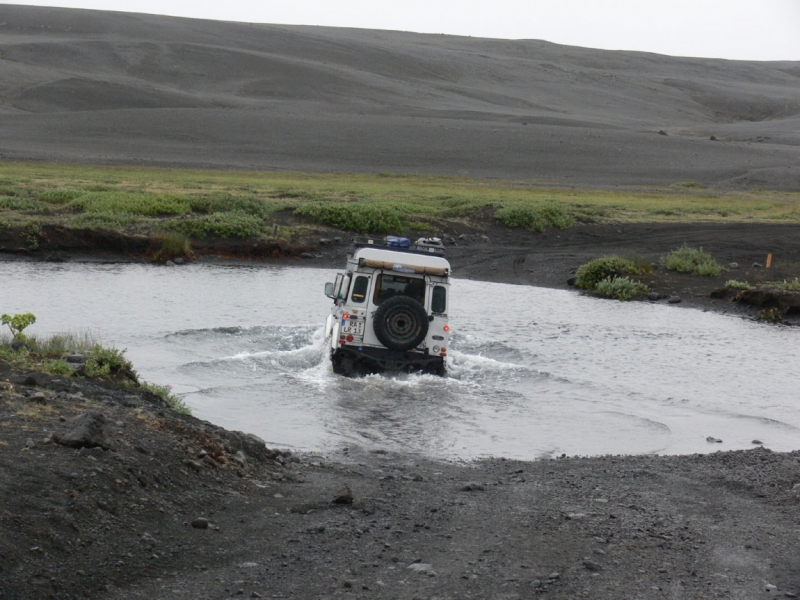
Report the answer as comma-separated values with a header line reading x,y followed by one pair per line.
x,y
790,286
534,217
23,204
151,205
621,288
225,202
355,216
605,267
221,225
167,397
609,277
691,260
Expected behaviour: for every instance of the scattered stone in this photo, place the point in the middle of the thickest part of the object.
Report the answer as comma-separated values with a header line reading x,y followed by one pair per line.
x,y
200,523
306,255
240,459
790,595
178,261
653,296
38,398
796,489
757,442
662,132
713,440
343,496
554,575
473,487
255,595
29,443
75,358
87,430
462,237
169,263
421,567
674,300
590,565
572,280
347,584
324,241
770,588
337,240
484,238
713,138
757,265
733,265
575,516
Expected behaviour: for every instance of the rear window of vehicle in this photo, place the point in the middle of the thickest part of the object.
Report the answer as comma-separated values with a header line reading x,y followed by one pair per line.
x,y
439,299
360,289
399,285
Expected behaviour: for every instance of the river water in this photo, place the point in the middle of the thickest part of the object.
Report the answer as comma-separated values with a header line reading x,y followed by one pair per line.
x,y
533,372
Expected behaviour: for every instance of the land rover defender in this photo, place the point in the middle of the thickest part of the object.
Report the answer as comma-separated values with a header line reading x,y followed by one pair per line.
x,y
390,308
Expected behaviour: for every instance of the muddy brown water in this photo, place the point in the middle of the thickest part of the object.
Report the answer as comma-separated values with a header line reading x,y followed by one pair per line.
x,y
533,372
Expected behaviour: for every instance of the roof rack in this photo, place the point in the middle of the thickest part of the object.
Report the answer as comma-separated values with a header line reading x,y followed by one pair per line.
x,y
431,246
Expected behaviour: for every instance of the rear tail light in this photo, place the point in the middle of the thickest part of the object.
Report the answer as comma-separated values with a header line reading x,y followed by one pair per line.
x,y
349,338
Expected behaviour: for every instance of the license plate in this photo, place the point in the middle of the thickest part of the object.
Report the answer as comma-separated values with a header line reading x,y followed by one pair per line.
x,y
353,328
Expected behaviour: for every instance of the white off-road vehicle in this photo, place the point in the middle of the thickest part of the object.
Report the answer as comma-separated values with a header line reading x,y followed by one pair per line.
x,y
390,308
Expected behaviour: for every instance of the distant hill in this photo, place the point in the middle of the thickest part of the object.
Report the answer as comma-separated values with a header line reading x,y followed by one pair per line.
x,y
107,87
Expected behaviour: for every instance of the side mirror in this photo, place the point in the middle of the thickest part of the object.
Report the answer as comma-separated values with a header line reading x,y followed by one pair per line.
x,y
329,289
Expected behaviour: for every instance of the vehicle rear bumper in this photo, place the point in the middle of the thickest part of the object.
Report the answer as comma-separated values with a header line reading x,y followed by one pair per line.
x,y
383,359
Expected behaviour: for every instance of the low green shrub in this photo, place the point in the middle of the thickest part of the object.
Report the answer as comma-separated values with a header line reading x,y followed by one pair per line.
x,y
60,196
620,288
58,367
691,260
103,363
222,225
738,285
790,286
354,216
534,217
229,203
595,271
165,393
22,204
150,205
111,221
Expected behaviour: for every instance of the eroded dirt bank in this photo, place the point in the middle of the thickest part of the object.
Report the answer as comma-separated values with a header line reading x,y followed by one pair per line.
x,y
178,508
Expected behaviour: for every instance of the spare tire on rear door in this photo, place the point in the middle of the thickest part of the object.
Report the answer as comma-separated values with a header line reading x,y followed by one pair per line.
x,y
400,323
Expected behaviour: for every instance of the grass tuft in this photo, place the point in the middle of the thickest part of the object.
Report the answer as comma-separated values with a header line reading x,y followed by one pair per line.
x,y
621,288
691,260
167,397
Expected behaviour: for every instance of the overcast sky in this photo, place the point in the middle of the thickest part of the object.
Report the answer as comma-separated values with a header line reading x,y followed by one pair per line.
x,y
739,29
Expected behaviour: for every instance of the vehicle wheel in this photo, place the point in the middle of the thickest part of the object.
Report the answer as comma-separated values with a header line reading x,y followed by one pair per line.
x,y
400,323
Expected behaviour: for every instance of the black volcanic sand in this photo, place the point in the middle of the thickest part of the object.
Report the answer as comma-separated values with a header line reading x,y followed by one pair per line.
x,y
178,508
114,88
